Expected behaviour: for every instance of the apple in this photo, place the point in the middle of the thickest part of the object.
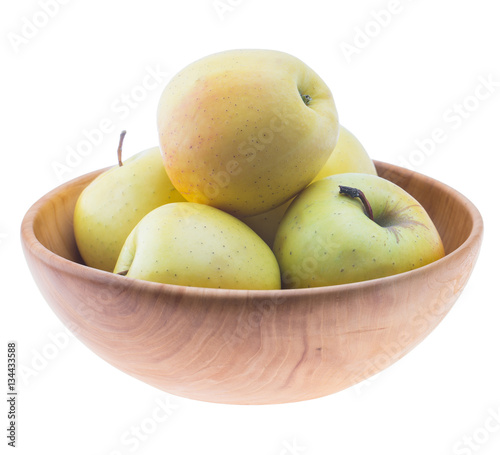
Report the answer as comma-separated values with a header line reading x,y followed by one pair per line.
x,y
111,205
349,155
245,130
192,244
266,224
353,227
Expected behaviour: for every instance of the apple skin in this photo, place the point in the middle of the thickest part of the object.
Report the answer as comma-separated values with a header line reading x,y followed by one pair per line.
x,y
192,244
349,155
266,224
236,134
112,204
325,238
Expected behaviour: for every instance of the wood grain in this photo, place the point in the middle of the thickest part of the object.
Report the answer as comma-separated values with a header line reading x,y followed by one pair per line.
x,y
251,347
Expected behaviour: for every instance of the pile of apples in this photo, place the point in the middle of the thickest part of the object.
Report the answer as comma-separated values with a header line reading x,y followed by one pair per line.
x,y
254,185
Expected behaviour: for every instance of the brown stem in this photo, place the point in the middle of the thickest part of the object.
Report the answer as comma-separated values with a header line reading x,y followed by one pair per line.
x,y
355,192
123,273
122,135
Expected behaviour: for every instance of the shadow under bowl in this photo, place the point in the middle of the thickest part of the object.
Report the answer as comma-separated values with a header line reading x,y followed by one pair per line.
x,y
251,347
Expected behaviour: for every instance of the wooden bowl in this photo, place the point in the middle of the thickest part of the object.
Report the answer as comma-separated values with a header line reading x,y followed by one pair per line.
x,y
251,347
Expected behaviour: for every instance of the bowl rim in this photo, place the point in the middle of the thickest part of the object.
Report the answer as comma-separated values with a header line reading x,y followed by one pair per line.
x,y
31,243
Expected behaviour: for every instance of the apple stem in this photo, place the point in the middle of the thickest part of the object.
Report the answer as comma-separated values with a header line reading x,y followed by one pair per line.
x,y
122,135
355,192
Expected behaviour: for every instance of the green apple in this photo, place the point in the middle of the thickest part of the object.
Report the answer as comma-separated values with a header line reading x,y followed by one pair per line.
x,y
245,130
349,155
353,227
112,204
192,244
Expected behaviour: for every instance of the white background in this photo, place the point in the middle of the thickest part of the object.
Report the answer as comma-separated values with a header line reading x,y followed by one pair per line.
x,y
395,76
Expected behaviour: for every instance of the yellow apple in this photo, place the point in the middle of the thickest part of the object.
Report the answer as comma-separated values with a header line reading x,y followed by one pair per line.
x,y
110,207
191,244
245,130
349,155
